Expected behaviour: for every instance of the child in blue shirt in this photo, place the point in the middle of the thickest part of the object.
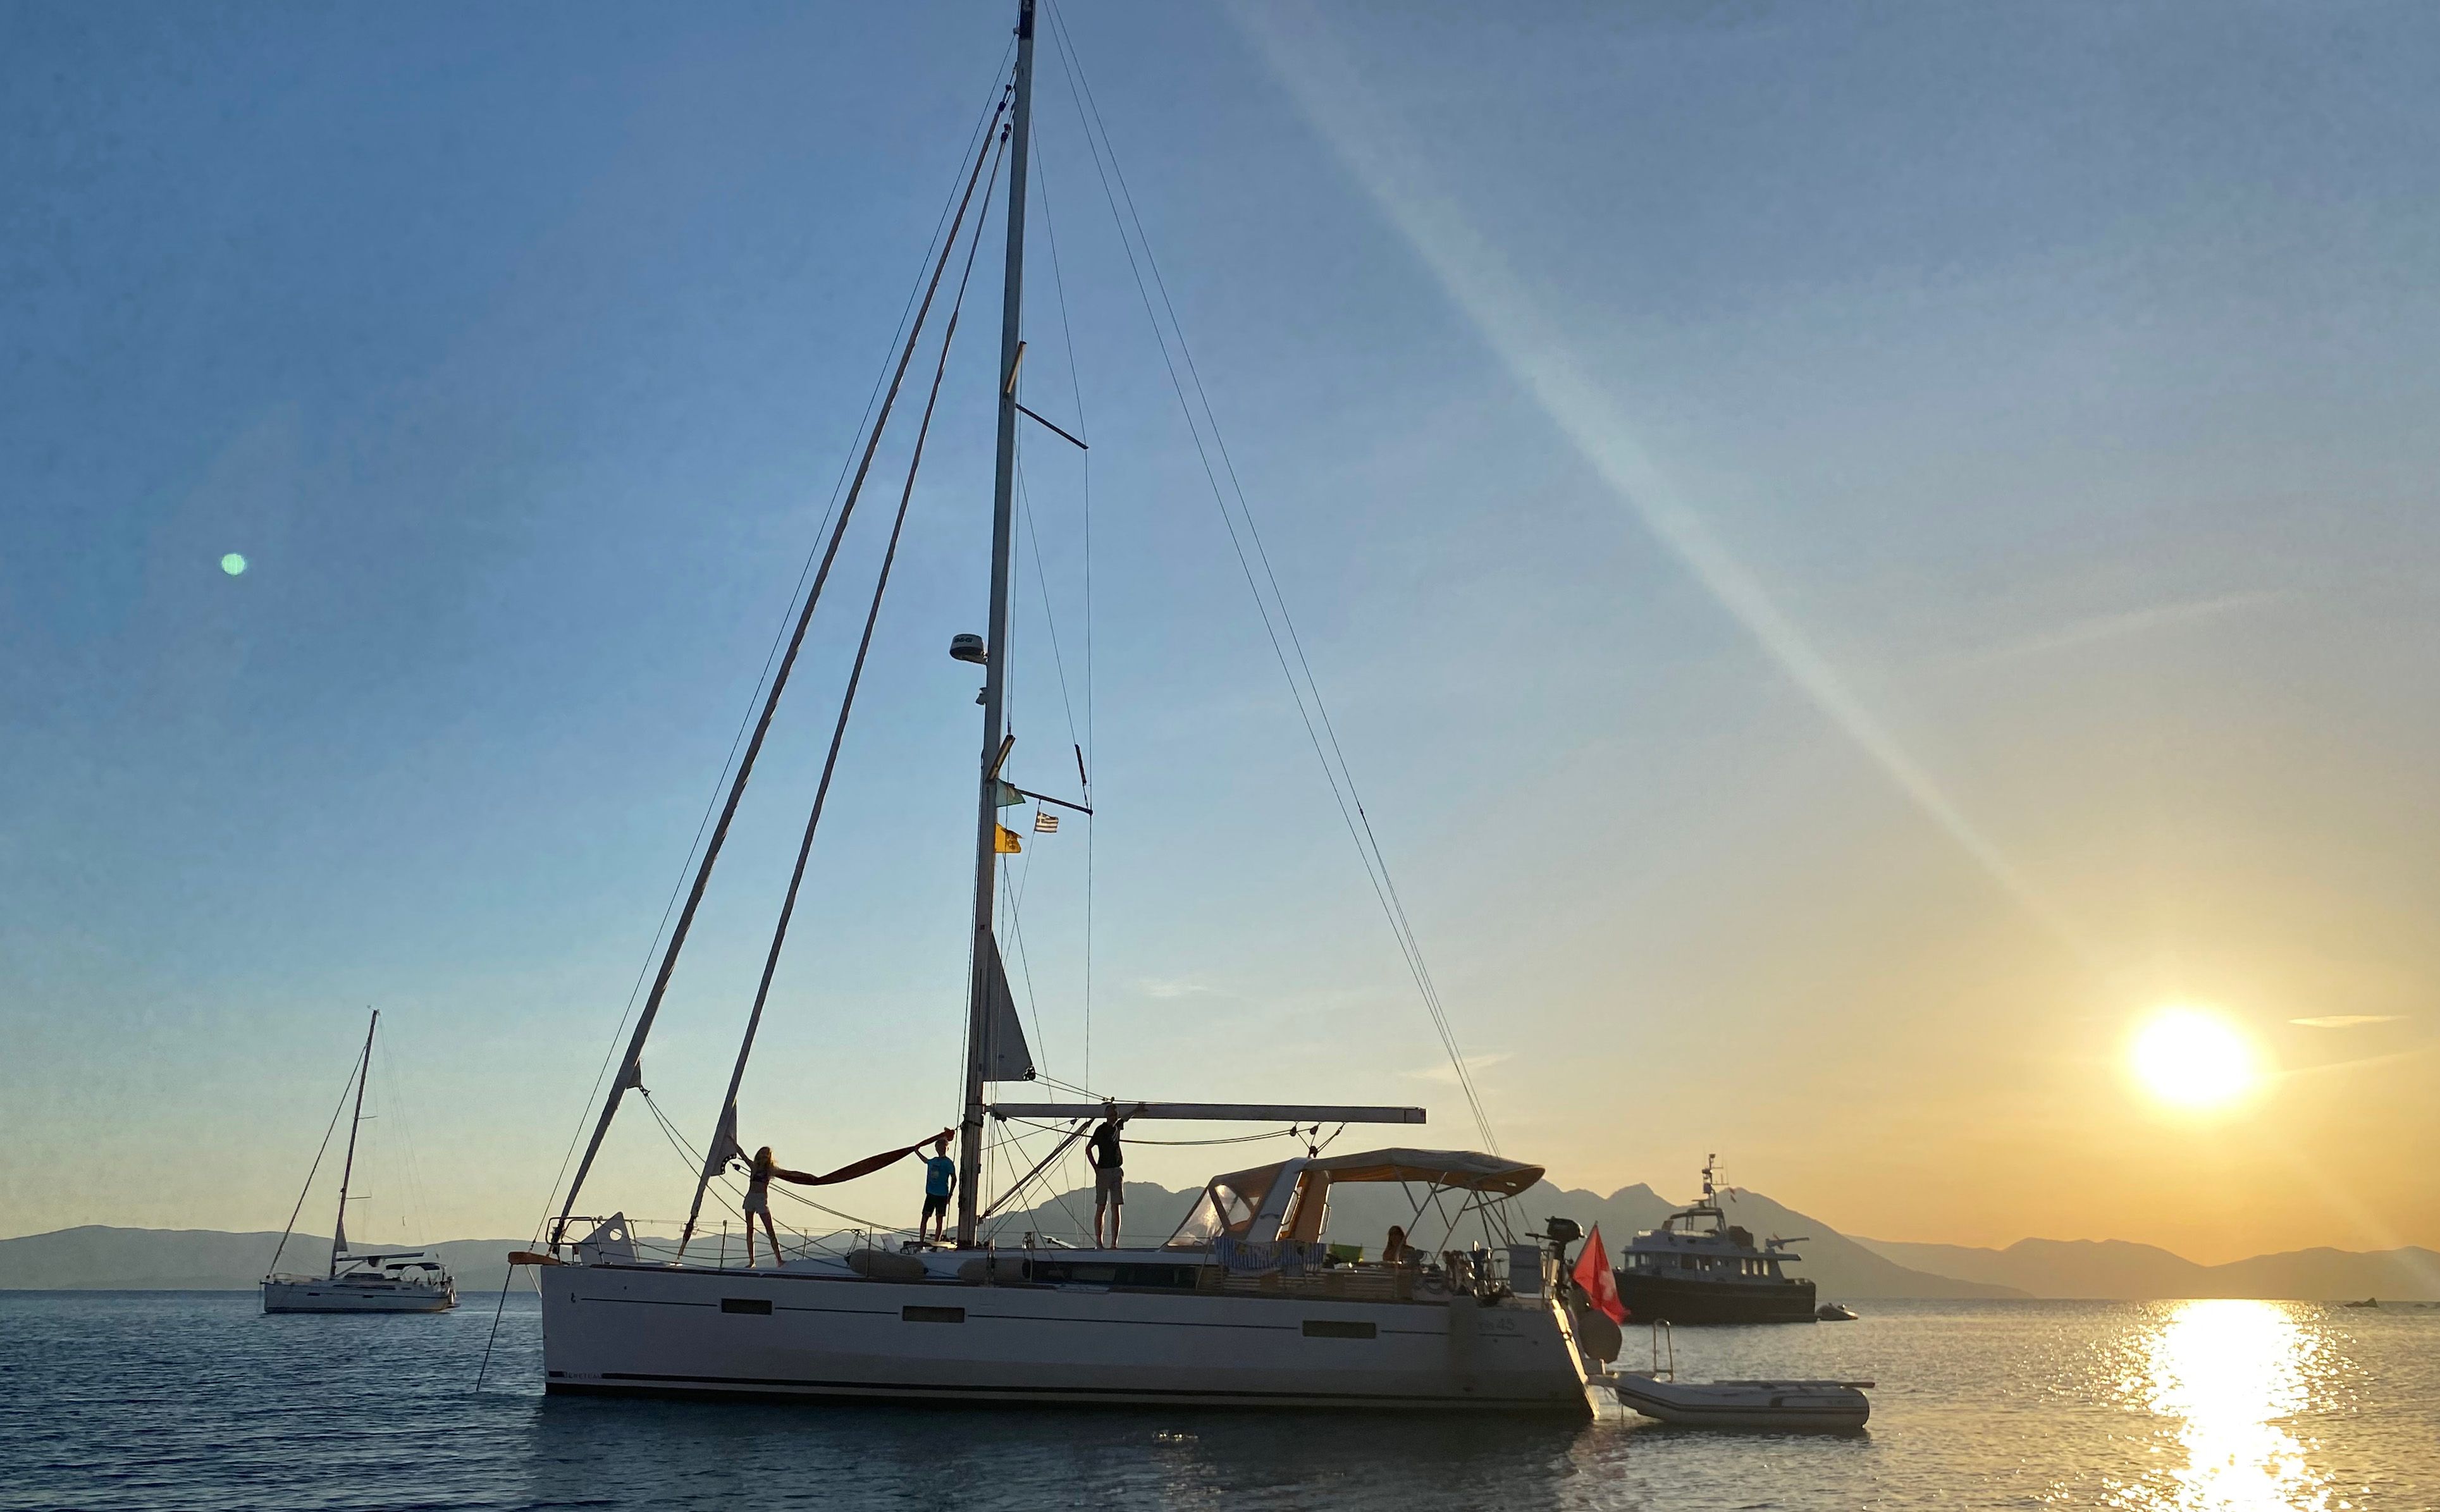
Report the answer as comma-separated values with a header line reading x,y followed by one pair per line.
x,y
939,1180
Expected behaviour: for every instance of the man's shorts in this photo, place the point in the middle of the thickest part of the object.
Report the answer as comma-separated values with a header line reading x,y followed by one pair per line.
x,y
1109,1186
935,1205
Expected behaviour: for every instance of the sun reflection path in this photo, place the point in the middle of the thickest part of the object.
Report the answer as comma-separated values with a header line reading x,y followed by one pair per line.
x,y
2228,1374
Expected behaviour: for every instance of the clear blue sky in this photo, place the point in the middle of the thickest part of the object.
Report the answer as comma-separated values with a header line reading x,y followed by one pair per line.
x,y
1856,547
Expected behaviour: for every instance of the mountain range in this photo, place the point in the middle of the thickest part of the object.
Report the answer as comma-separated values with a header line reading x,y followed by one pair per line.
x,y
94,1258
1843,1268
2116,1268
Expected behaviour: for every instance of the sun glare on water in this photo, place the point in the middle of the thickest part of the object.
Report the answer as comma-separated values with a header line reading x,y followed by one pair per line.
x,y
2190,1058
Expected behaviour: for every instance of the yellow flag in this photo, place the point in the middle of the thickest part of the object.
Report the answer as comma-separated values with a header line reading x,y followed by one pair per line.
x,y
1006,843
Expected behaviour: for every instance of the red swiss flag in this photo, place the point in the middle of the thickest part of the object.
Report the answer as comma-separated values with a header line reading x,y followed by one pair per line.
x,y
1593,1275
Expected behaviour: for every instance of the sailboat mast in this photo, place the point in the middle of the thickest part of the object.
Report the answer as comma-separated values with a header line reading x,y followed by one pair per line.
x,y
986,950
364,1074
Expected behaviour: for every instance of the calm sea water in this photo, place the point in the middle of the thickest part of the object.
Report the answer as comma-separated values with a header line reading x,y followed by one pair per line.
x,y
194,1400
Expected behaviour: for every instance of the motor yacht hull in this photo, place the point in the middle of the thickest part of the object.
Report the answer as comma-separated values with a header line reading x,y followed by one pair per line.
x,y
338,1296
1664,1298
664,1330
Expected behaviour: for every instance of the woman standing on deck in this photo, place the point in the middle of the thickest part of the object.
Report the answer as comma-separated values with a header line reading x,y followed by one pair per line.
x,y
758,1199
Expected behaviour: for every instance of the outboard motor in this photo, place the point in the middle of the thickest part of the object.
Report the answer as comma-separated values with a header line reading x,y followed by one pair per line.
x,y
1596,1335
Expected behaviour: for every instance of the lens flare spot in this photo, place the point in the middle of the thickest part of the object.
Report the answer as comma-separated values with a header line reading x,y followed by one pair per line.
x,y
233,563
2188,1057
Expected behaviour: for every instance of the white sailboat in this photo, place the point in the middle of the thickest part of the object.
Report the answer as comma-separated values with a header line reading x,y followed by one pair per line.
x,y
1246,1304
389,1281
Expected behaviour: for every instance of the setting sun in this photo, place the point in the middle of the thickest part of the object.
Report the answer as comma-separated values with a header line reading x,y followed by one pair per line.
x,y
2191,1058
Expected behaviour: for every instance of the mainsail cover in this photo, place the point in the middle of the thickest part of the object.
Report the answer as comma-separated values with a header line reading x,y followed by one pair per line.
x,y
1006,1056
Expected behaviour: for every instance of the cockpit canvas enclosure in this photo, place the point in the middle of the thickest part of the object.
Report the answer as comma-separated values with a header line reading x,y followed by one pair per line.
x,y
1287,1202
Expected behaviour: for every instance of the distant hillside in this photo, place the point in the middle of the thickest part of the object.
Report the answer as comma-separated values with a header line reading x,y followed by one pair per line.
x,y
1362,1214
2113,1268
1842,1268
96,1258
100,1259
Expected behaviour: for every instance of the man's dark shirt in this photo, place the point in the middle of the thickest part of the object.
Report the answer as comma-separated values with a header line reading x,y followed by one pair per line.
x,y
1105,1153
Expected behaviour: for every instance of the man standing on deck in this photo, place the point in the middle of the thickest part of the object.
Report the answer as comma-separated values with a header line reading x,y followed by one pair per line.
x,y
1109,1176
939,1180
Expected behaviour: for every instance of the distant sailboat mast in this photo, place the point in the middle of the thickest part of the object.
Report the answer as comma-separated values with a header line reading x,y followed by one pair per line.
x,y
364,1071
986,971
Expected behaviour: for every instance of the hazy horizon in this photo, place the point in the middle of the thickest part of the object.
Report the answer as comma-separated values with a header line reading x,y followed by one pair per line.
x,y
1858,552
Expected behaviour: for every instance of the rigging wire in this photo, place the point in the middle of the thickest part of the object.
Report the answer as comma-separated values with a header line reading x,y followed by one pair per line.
x,y
630,1073
1068,1138
1231,1138
686,864
1032,1125
353,1071
1341,776
846,699
728,1191
1045,1079
1014,903
1086,747
408,1166
1059,1200
1049,618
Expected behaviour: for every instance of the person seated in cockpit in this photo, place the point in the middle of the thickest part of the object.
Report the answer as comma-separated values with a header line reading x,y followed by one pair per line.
x,y
1394,1250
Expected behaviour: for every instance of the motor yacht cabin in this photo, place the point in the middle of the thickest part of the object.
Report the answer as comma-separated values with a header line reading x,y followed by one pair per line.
x,y
1699,1268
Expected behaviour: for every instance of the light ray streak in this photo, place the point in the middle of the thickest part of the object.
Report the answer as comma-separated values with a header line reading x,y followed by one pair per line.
x,y
1537,352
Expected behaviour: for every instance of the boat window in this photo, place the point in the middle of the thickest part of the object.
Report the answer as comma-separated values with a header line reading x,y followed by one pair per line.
x,y
939,1315
1309,1209
1201,1223
1226,1208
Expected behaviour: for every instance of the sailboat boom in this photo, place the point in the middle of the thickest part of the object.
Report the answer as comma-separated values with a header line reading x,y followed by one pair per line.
x,y
1216,1112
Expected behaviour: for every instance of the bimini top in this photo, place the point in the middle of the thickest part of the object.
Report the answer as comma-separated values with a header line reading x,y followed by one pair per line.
x,y
1286,1200
1462,1170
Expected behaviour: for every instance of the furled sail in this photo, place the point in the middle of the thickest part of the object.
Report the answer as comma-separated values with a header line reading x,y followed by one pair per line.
x,y
1006,1056
724,1147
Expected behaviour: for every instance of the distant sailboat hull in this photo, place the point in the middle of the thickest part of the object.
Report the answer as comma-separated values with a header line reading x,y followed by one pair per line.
x,y
317,1295
393,1281
663,1330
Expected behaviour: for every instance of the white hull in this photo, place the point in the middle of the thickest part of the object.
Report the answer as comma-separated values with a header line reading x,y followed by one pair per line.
x,y
341,1296
656,1329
